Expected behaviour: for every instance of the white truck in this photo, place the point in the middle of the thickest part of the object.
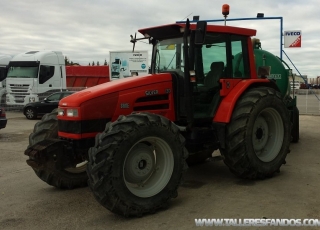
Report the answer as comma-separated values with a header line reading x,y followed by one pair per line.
x,y
34,75
128,64
295,85
4,61
118,68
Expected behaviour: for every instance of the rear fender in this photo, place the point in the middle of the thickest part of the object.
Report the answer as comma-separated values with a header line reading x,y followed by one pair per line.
x,y
231,91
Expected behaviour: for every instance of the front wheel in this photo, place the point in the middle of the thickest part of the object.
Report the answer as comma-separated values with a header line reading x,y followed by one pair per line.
x,y
67,178
30,113
137,164
258,135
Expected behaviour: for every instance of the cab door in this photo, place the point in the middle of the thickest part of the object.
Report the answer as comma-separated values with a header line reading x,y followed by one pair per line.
x,y
223,56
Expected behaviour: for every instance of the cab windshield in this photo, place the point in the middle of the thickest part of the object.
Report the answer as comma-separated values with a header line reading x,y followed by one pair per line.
x,y
169,55
209,58
22,72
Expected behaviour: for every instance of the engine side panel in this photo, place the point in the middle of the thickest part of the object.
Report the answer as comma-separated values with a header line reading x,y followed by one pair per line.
x,y
155,98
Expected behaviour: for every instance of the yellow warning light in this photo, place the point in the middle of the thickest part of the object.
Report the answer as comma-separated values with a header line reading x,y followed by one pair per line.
x,y
225,9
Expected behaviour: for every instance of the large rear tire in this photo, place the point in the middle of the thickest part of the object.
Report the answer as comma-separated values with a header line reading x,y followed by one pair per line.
x,y
137,164
68,178
258,135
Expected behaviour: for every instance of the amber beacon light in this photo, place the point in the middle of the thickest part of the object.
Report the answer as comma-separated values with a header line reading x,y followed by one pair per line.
x,y
225,12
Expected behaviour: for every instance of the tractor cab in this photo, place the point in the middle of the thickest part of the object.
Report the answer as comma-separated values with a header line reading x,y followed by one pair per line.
x,y
199,67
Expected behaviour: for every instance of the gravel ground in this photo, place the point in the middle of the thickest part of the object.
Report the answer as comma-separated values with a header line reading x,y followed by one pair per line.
x,y
209,191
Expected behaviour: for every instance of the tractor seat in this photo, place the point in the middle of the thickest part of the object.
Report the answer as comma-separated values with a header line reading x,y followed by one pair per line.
x,y
213,76
207,100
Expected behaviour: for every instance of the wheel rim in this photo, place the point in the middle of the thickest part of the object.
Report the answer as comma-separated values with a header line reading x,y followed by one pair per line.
x,y
148,167
29,113
79,168
268,133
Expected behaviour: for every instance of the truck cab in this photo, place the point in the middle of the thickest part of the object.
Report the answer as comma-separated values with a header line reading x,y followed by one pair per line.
x,y
4,61
118,67
34,75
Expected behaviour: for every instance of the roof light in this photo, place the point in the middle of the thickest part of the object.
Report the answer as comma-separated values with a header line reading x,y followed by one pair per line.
x,y
225,9
225,12
196,18
260,15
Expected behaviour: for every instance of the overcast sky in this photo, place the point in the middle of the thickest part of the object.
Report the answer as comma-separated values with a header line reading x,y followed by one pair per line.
x,y
87,30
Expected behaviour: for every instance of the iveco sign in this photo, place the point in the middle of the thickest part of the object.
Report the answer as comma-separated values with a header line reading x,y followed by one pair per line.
x,y
292,39
292,33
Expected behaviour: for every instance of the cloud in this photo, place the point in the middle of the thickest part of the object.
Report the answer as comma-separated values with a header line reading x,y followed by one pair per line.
x,y
87,31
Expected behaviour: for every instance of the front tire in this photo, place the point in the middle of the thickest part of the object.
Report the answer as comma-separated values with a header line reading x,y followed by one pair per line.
x,y
67,178
137,164
258,135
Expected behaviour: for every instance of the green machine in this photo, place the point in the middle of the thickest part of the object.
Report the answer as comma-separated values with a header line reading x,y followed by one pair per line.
x,y
270,66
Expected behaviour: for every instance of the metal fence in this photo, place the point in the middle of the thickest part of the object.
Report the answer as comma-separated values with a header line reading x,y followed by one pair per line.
x,y
308,101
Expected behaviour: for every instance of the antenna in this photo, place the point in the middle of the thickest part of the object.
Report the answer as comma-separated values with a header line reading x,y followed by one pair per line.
x,y
187,16
133,40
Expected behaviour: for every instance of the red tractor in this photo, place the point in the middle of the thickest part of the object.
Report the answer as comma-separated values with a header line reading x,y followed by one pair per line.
x,y
131,138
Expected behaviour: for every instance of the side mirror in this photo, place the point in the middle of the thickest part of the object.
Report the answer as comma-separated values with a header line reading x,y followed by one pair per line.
x,y
200,32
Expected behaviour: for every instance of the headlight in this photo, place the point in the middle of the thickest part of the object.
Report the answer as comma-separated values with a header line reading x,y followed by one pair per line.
x,y
72,113
60,112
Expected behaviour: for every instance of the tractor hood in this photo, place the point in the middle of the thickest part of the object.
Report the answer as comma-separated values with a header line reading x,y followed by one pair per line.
x,y
87,112
117,86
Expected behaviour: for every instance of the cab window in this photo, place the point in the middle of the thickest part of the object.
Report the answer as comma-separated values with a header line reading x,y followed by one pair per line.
x,y
240,58
46,72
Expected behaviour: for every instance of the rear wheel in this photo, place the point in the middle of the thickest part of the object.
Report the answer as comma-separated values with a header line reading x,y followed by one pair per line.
x,y
258,135
30,113
67,178
137,164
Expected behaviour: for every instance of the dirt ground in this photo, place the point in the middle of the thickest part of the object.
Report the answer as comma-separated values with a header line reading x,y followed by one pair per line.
x,y
209,191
